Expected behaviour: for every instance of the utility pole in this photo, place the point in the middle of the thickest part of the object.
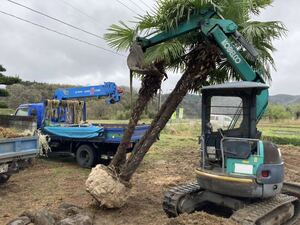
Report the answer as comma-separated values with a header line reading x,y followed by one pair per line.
x,y
159,100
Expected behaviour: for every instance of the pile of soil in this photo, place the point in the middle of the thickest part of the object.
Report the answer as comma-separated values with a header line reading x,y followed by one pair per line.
x,y
10,133
291,156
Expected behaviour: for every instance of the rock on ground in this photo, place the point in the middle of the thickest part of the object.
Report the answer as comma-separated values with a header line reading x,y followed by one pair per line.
x,y
22,220
106,189
76,220
66,214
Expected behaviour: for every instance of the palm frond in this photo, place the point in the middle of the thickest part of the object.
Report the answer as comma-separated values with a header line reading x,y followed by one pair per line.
x,y
120,37
167,52
262,35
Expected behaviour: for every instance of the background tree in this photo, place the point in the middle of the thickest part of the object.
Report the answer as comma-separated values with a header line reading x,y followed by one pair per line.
x,y
6,80
196,57
278,112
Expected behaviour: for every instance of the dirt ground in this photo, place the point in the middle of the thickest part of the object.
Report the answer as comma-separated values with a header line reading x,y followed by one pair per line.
x,y
50,182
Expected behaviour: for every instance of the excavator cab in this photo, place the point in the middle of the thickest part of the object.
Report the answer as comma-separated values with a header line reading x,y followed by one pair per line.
x,y
234,161
239,175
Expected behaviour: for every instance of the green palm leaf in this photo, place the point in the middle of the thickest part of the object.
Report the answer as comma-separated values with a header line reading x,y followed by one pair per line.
x,y
120,37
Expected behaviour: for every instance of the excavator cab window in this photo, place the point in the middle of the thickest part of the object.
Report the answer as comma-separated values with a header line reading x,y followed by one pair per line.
x,y
226,112
226,116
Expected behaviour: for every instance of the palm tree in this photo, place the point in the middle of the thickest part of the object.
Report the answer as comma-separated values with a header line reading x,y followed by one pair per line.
x,y
196,57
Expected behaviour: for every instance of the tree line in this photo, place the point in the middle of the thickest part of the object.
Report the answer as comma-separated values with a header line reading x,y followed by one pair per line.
x,y
19,92
33,92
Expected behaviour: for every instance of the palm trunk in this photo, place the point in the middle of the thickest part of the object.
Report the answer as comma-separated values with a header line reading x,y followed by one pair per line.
x,y
151,82
207,61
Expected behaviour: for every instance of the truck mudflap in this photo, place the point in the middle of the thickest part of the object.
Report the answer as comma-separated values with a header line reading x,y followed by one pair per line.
x,y
7,169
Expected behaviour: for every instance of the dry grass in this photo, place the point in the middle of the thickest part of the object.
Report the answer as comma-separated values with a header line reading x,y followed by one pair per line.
x,y
10,133
171,161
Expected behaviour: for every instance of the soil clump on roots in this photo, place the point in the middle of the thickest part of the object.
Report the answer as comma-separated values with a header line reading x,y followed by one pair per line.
x,y
106,188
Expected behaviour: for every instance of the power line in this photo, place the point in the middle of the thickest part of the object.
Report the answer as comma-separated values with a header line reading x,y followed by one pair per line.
x,y
58,20
134,3
126,6
60,33
79,10
145,4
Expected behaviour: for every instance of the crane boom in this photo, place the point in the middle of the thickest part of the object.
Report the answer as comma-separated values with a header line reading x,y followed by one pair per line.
x,y
108,89
218,30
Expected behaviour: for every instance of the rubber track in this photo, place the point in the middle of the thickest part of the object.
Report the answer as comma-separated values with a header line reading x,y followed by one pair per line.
x,y
173,196
253,212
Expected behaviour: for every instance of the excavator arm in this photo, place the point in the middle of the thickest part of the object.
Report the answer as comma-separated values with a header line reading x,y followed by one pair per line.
x,y
211,25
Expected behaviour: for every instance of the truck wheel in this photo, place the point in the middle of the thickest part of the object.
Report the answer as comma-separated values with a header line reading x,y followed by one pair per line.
x,y
85,156
4,178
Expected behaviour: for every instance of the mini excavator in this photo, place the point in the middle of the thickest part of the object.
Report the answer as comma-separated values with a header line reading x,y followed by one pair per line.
x,y
238,171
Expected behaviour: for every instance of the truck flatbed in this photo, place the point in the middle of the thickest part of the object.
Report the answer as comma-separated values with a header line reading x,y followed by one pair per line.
x,y
90,151
18,148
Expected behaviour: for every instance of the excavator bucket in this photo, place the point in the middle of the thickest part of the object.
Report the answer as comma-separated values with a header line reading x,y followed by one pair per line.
x,y
135,59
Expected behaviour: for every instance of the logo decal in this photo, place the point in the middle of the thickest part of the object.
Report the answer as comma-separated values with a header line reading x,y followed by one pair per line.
x,y
233,54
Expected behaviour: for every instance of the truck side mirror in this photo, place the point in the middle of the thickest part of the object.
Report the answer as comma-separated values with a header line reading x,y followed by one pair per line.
x,y
33,112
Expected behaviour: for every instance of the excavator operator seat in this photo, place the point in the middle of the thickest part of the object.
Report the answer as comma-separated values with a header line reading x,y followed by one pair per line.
x,y
240,149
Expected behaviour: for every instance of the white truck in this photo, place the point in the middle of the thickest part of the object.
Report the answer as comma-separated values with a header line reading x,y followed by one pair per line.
x,y
220,121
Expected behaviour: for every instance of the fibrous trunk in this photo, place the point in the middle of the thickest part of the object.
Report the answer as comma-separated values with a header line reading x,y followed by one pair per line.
x,y
151,83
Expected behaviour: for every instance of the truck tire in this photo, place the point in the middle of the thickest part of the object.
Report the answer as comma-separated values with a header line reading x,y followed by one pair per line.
x,y
85,156
4,178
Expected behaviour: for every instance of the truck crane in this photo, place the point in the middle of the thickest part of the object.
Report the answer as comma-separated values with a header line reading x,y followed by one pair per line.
x,y
88,143
108,89
237,171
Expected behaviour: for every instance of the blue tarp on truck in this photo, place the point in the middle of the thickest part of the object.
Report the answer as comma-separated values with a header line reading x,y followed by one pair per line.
x,y
75,132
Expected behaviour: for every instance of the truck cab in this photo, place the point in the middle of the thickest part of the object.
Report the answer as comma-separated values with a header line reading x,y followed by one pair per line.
x,y
32,109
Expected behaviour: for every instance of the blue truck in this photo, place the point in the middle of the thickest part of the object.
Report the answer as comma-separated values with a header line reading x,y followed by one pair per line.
x,y
88,143
16,153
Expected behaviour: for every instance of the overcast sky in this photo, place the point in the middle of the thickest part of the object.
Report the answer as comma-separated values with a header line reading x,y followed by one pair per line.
x,y
40,55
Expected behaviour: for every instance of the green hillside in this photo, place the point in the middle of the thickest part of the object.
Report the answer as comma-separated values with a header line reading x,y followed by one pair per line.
x,y
29,92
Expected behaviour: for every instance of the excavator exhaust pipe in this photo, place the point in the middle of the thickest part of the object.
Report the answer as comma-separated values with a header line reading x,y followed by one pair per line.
x,y
135,59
